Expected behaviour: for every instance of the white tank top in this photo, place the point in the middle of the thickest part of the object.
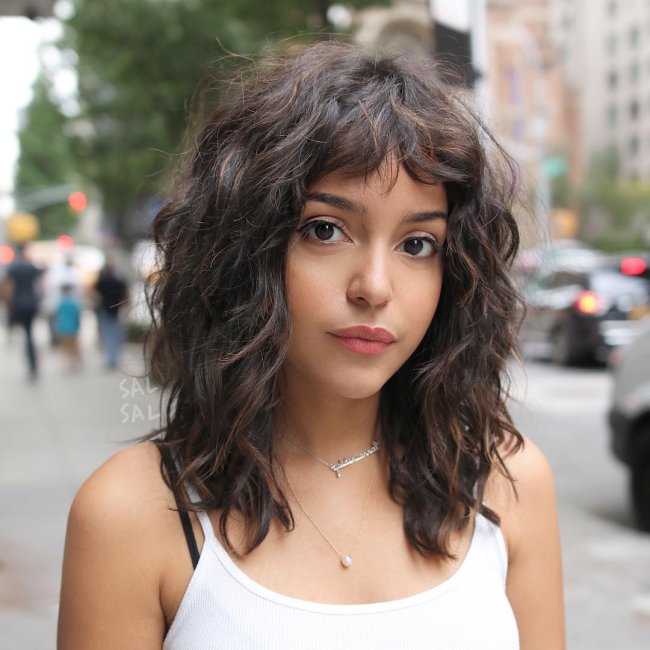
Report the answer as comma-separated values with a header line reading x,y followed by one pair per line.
x,y
224,609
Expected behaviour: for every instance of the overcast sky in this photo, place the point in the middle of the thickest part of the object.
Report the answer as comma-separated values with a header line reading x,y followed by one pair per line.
x,y
20,39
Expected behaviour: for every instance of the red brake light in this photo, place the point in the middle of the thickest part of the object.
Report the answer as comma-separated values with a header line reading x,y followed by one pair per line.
x,y
633,266
589,302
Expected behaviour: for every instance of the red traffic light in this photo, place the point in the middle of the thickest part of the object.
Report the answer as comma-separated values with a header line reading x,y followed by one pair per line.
x,y
77,201
65,242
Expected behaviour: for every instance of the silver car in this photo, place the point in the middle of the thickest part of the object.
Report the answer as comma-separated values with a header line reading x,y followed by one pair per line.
x,y
629,418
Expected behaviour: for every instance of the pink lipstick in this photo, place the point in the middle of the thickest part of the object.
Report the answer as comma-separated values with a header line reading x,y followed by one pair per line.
x,y
364,340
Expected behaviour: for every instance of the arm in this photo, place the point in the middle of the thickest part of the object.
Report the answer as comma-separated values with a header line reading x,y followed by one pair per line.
x,y
530,526
110,596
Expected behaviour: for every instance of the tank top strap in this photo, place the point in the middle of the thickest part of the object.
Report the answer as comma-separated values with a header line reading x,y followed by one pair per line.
x,y
491,547
202,516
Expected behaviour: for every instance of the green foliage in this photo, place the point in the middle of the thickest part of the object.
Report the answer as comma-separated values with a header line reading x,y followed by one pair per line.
x,y
46,158
626,204
140,63
556,171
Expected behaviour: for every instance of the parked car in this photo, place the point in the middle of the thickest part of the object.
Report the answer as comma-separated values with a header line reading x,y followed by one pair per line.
x,y
532,261
577,314
629,419
632,263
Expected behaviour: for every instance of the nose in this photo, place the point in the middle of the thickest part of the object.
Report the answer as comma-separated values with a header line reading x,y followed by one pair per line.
x,y
370,280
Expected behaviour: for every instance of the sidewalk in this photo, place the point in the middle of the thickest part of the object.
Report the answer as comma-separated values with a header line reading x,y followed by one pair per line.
x,y
53,434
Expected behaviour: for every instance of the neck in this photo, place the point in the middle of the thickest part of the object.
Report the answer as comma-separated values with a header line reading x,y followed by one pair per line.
x,y
327,425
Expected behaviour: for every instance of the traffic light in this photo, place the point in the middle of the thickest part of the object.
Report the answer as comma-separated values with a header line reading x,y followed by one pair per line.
x,y
65,242
77,201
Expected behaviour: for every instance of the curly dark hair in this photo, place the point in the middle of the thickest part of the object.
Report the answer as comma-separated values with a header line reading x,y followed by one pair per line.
x,y
221,316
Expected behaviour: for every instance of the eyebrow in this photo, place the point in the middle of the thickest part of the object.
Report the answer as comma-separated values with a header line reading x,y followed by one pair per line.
x,y
348,205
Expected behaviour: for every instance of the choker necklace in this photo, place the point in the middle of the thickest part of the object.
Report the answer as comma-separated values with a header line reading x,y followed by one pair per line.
x,y
342,462
344,558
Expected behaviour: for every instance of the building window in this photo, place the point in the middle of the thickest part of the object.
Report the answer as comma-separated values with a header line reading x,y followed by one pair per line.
x,y
634,109
634,36
612,115
612,44
634,73
612,79
612,7
633,145
564,54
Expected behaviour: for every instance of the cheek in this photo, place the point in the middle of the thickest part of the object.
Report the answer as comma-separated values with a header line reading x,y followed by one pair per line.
x,y
422,305
307,285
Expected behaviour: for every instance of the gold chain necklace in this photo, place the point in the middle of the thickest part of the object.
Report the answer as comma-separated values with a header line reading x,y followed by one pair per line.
x,y
344,558
342,462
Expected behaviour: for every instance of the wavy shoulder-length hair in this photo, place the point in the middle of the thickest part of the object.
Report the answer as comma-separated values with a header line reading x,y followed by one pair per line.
x,y
219,300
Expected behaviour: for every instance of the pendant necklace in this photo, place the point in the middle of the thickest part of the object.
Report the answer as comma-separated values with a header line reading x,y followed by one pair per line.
x,y
344,558
342,462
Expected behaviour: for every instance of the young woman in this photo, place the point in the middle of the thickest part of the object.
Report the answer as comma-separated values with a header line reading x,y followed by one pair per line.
x,y
334,317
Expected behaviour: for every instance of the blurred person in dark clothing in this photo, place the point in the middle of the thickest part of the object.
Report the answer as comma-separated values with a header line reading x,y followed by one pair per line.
x,y
23,299
113,294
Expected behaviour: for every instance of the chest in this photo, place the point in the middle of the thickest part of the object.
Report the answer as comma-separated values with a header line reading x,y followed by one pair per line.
x,y
239,605
305,563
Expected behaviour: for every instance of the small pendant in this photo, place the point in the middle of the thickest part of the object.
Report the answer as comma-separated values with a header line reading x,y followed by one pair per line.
x,y
346,561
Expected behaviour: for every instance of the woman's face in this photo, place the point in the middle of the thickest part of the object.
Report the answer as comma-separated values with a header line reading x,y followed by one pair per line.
x,y
363,280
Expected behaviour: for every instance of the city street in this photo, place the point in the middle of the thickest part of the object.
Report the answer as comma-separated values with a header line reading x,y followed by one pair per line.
x,y
56,431
606,562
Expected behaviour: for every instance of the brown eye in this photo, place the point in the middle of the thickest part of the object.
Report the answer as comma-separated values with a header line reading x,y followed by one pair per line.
x,y
420,246
324,230
414,246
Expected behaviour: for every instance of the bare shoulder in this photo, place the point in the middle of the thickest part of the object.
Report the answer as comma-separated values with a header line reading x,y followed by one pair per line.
x,y
127,499
529,499
115,554
129,482
528,512
531,474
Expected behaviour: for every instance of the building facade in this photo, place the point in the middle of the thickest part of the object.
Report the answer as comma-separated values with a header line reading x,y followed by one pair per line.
x,y
604,48
522,94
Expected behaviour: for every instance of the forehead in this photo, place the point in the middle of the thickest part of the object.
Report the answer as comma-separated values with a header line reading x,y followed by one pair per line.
x,y
387,183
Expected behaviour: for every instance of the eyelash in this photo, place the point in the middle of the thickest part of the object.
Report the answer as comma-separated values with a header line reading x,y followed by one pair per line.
x,y
307,230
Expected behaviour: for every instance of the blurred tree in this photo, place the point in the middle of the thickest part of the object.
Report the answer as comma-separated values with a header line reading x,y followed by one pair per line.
x,y
624,204
139,65
46,158
556,170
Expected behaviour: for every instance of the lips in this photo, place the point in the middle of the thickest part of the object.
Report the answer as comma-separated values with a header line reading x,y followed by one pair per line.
x,y
364,340
366,333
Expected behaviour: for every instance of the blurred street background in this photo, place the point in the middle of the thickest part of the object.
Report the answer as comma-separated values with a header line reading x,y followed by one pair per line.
x,y
57,431
98,98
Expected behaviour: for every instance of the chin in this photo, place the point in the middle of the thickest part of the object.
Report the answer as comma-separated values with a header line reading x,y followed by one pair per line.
x,y
356,388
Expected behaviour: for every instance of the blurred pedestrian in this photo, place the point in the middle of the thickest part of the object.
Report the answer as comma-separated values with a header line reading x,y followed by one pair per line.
x,y
112,291
24,293
335,317
58,275
67,323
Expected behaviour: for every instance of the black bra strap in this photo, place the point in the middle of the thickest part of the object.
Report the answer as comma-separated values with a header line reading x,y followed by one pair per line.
x,y
172,472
